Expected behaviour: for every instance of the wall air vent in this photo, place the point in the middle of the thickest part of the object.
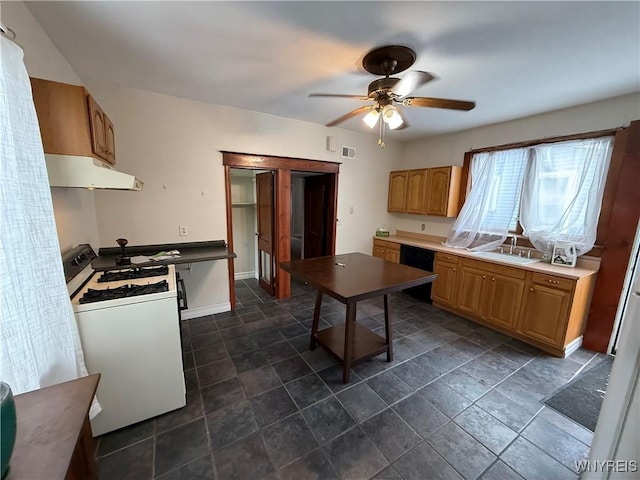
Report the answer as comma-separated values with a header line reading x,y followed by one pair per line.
x,y
348,152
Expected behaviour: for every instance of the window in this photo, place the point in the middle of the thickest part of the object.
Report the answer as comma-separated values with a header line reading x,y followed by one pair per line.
x,y
504,171
554,191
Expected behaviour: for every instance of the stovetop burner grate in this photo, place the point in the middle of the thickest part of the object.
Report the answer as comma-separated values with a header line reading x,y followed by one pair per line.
x,y
133,273
124,291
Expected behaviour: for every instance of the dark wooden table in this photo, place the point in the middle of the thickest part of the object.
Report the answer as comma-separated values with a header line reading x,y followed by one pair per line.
x,y
349,278
54,438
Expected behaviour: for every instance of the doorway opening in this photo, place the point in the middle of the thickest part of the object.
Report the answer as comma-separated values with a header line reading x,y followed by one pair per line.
x,y
310,199
261,197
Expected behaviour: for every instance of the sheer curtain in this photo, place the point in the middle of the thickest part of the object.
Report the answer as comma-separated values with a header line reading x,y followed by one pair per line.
x,y
491,206
562,192
39,336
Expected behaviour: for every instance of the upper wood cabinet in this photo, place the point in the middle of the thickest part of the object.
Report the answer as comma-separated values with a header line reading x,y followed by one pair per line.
x,y
443,191
71,122
416,191
397,200
426,191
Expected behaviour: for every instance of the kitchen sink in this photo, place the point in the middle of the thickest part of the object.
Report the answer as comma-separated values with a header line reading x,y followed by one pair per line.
x,y
505,257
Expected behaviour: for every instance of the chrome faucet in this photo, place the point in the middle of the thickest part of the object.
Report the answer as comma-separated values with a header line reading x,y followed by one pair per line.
x,y
514,242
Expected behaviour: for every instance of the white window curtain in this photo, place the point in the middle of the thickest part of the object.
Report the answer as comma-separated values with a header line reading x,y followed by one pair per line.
x,y
40,344
490,209
562,192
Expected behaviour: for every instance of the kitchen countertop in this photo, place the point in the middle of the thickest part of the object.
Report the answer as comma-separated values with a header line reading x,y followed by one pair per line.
x,y
190,252
586,266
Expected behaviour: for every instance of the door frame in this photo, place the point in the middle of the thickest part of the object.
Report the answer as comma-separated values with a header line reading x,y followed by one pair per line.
x,y
282,167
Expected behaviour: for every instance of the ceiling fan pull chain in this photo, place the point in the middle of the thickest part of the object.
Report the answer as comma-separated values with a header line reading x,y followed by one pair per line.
x,y
381,135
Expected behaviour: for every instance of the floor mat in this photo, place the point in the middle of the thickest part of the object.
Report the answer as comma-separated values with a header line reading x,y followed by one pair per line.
x,y
581,399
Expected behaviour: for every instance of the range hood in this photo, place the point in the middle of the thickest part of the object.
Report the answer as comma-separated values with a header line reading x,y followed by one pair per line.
x,y
87,172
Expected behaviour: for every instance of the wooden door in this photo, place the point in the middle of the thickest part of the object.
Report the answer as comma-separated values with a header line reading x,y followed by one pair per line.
x,y
379,252
416,189
544,313
503,300
96,122
265,211
316,206
110,141
397,200
470,290
444,287
392,255
438,180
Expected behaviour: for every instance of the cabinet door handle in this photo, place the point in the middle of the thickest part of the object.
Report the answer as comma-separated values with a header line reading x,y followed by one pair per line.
x,y
531,289
493,279
484,276
454,269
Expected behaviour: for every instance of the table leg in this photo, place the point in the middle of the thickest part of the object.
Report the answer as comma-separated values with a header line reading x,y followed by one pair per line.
x,y
387,329
349,340
316,319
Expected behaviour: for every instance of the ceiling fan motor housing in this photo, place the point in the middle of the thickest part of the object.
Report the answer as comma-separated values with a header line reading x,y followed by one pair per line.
x,y
379,88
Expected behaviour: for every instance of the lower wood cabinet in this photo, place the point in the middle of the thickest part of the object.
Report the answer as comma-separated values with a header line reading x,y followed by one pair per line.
x,y
386,250
546,311
546,308
490,292
444,287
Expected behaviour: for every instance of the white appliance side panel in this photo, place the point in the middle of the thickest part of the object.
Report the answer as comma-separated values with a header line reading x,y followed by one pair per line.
x,y
136,348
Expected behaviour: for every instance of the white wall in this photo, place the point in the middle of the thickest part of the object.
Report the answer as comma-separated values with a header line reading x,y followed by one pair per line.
x,y
449,149
74,208
173,145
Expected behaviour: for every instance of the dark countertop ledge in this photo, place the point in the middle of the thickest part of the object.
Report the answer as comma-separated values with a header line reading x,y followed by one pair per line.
x,y
190,252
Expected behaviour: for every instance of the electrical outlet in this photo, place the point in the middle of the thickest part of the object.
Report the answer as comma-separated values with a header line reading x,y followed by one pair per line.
x,y
184,231
422,226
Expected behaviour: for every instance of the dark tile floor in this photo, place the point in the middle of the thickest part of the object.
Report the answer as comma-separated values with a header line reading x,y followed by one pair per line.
x,y
458,401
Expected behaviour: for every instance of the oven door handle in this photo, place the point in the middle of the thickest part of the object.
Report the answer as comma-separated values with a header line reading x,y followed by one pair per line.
x,y
182,295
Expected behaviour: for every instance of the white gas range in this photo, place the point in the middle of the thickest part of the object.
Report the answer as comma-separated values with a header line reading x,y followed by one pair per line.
x,y
129,327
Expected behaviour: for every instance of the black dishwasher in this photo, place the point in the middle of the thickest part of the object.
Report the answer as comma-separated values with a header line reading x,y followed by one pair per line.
x,y
422,259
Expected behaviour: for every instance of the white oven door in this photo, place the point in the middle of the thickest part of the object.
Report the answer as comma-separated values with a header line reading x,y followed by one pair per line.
x,y
136,349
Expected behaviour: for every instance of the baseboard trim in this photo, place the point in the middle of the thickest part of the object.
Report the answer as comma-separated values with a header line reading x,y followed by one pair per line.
x,y
573,346
244,275
205,310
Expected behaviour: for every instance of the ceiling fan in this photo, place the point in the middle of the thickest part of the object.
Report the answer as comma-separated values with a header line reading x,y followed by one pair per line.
x,y
387,91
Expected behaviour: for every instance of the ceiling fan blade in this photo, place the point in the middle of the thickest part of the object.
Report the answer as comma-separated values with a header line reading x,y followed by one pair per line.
x,y
351,114
411,81
338,95
439,103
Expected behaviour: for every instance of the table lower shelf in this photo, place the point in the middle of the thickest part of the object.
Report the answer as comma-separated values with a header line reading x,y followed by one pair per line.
x,y
366,343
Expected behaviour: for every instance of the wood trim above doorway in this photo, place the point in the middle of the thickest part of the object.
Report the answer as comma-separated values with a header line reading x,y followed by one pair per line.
x,y
265,162
282,167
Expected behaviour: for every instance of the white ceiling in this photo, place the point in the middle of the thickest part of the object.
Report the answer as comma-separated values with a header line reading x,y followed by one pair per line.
x,y
514,59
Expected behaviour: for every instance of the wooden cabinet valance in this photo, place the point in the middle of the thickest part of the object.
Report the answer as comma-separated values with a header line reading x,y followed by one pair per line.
x,y
426,191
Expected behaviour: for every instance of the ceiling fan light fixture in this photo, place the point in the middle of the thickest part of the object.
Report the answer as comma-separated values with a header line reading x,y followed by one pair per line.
x,y
391,117
371,118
